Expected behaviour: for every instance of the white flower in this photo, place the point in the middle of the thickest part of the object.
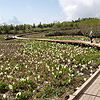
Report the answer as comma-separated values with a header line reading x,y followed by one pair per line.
x,y
22,79
17,79
57,68
34,91
84,79
38,76
69,80
6,68
99,66
69,60
2,66
4,95
47,66
91,71
38,87
74,60
72,75
77,71
10,87
60,71
90,74
65,66
9,76
26,66
16,67
81,73
35,78
90,67
18,94
77,88
83,66
48,69
27,78
5,72
89,62
1,73
74,65
13,83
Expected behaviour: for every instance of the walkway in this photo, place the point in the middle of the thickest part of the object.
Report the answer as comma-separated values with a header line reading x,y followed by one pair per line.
x,y
79,42
90,90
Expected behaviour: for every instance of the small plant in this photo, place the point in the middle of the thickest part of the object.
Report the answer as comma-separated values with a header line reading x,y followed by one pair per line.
x,y
31,89
30,82
14,89
48,91
0,97
3,87
22,96
39,95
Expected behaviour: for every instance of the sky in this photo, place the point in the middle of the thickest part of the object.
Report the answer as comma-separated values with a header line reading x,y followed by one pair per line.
x,y
46,11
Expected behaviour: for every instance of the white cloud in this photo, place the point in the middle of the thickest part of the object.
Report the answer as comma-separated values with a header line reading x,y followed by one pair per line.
x,y
1,19
75,9
14,21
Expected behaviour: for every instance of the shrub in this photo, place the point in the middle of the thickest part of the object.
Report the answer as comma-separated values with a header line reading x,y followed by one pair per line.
x,y
67,32
97,34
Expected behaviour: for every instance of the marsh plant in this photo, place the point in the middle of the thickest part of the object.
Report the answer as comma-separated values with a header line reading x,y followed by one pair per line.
x,y
37,69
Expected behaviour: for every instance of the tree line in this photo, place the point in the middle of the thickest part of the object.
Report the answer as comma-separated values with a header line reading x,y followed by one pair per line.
x,y
84,26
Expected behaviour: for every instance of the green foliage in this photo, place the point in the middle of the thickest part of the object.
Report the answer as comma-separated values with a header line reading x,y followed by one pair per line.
x,y
22,96
14,88
67,32
0,32
0,97
3,87
48,90
39,95
30,82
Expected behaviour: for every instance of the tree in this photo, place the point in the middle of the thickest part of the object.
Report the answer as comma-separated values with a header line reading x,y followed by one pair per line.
x,y
11,27
40,25
34,25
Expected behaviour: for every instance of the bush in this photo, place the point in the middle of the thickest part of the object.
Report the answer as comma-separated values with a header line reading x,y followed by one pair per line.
x,y
97,34
67,32
0,32
56,33
11,31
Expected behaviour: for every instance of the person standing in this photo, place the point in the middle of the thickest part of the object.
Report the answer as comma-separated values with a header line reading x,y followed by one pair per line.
x,y
91,36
